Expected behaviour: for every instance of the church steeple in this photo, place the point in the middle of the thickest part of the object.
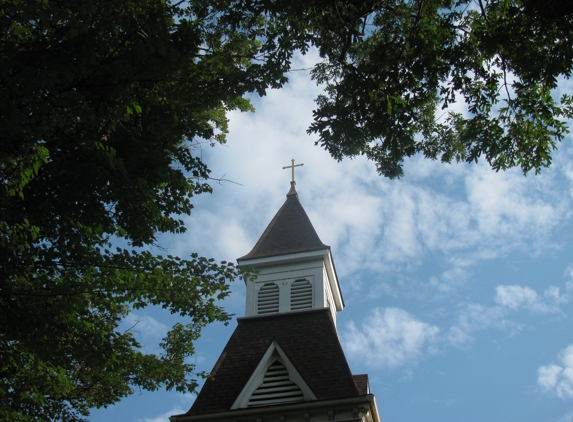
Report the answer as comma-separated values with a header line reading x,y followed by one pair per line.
x,y
296,271
284,362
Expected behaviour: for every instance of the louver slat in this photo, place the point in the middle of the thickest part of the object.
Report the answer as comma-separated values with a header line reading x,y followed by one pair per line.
x,y
300,295
268,299
276,388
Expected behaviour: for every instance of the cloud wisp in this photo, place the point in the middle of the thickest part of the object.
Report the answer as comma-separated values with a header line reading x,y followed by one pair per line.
x,y
518,297
509,300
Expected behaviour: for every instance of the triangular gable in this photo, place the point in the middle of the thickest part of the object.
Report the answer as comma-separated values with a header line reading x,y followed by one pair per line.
x,y
275,380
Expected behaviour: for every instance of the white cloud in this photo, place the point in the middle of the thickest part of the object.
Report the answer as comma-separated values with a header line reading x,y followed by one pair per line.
x,y
218,235
390,337
508,202
475,317
558,378
516,297
548,376
406,222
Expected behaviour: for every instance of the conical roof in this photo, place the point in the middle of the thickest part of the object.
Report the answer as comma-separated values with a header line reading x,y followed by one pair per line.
x,y
290,231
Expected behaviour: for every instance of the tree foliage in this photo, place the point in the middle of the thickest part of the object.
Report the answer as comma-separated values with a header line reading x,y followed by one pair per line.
x,y
394,70
103,105
103,108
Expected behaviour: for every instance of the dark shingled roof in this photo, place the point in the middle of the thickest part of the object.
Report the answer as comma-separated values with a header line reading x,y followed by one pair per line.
x,y
361,382
309,340
290,231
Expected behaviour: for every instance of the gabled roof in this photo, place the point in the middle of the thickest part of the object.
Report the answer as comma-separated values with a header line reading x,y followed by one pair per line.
x,y
314,351
290,231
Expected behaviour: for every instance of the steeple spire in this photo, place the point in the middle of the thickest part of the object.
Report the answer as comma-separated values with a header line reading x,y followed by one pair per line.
x,y
290,231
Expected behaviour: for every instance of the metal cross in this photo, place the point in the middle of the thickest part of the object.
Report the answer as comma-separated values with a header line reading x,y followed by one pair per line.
x,y
293,165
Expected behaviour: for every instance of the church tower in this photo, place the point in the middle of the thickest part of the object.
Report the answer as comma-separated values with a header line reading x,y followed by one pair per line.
x,y
295,269
284,362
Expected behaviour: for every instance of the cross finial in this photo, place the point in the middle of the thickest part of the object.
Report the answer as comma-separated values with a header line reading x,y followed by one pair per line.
x,y
293,165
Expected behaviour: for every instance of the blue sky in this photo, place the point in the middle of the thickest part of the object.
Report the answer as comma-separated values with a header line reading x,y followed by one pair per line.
x,y
458,281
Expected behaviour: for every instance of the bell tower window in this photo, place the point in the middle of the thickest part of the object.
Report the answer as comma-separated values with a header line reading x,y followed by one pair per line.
x,y
268,299
300,295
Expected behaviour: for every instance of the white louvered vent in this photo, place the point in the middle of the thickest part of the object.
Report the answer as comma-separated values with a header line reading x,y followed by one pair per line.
x,y
276,387
300,295
268,299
